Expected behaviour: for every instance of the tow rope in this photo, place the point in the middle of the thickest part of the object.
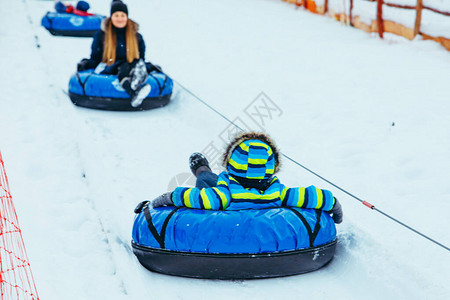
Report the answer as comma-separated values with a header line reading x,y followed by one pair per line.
x,y
365,203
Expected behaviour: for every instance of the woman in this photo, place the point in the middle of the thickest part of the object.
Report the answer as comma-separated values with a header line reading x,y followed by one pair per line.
x,y
251,160
119,49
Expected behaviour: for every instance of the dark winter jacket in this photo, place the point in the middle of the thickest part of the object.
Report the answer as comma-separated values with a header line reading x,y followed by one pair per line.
x,y
251,159
121,49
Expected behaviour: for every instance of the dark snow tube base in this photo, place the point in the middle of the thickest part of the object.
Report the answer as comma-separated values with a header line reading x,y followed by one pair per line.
x,y
118,104
234,266
74,33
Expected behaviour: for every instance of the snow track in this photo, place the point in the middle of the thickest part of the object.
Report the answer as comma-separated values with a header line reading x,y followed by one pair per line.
x,y
77,174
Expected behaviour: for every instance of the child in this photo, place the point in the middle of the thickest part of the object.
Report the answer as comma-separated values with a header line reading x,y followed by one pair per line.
x,y
251,160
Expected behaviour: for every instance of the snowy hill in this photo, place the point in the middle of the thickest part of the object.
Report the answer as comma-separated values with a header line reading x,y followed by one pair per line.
x,y
370,115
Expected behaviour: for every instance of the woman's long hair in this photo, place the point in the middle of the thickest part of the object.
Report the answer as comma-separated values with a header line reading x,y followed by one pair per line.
x,y
110,44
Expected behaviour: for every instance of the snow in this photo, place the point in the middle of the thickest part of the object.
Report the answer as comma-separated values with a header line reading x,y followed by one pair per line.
x,y
403,2
339,6
406,17
367,114
320,3
442,5
435,24
367,11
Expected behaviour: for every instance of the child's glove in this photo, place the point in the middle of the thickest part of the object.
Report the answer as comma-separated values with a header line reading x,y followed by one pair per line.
x,y
336,212
163,200
83,65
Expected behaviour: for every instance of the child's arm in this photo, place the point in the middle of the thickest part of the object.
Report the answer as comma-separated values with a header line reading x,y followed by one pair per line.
x,y
215,198
310,197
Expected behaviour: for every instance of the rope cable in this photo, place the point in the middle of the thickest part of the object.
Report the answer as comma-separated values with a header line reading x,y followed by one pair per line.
x,y
316,174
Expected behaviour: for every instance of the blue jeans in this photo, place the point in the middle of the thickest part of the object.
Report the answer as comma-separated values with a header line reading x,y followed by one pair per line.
x,y
206,180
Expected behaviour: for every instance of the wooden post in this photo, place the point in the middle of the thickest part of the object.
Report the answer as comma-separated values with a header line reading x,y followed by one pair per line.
x,y
350,15
419,8
380,18
326,7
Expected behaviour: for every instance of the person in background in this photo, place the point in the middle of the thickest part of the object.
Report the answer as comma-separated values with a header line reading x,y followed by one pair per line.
x,y
119,49
81,9
251,159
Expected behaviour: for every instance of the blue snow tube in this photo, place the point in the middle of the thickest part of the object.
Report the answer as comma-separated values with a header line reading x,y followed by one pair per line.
x,y
99,91
239,244
66,24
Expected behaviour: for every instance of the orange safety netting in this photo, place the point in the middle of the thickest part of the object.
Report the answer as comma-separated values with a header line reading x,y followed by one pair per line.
x,y
16,279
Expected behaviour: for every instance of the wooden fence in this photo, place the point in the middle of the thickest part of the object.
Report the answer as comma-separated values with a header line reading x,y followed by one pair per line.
x,y
381,23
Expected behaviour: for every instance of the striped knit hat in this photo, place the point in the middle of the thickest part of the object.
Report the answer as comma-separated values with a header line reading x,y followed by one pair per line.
x,y
251,155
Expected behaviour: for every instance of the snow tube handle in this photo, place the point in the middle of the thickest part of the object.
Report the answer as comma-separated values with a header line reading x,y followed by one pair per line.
x,y
140,206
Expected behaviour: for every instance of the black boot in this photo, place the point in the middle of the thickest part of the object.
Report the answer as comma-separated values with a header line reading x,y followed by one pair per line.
x,y
140,95
125,83
136,96
138,74
198,163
